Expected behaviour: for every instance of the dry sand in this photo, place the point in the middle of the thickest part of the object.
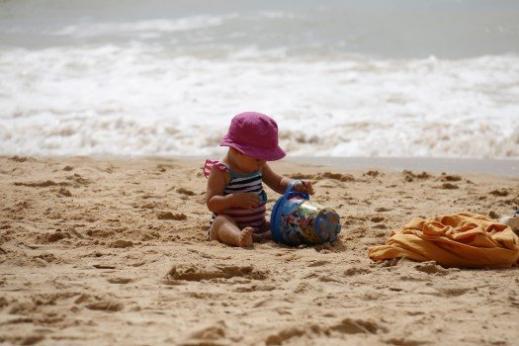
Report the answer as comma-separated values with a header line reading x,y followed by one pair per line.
x,y
114,251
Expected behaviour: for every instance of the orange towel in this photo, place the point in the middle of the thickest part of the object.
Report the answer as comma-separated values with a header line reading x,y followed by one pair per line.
x,y
459,240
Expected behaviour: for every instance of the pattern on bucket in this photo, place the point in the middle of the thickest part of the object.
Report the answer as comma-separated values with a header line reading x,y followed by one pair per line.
x,y
295,220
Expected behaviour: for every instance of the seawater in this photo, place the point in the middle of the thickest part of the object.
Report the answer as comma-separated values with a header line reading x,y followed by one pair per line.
x,y
342,78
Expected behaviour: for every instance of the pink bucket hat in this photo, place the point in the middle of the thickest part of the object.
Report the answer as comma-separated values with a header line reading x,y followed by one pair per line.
x,y
255,135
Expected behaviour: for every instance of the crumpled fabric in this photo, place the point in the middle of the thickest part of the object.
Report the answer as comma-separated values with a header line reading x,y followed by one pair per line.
x,y
459,240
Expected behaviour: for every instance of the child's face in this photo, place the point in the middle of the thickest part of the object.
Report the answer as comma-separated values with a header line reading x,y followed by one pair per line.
x,y
247,163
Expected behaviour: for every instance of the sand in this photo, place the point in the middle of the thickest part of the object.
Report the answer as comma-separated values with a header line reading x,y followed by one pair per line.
x,y
114,251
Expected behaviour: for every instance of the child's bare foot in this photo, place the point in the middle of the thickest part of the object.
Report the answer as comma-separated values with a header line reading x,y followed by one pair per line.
x,y
245,239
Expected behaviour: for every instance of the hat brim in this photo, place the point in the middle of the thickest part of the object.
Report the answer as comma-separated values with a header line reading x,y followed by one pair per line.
x,y
267,154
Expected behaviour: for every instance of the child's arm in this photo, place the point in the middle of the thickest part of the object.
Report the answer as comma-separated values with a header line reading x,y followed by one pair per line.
x,y
217,202
280,184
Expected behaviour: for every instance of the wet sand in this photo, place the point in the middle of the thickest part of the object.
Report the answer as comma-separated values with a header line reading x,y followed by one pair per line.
x,y
115,251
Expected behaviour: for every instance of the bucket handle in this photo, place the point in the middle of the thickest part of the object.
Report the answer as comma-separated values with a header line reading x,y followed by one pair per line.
x,y
289,192
276,210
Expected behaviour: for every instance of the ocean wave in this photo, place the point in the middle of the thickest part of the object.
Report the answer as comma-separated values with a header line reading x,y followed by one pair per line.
x,y
152,26
142,99
119,136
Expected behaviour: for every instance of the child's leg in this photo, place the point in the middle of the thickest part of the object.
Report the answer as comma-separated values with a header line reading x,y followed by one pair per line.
x,y
225,230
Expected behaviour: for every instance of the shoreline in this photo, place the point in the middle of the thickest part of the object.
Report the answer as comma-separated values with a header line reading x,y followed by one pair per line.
x,y
496,167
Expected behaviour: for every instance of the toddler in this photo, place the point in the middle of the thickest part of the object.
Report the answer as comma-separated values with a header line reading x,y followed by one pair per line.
x,y
235,192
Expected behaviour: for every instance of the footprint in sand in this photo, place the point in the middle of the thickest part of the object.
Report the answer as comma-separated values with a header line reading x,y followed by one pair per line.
x,y
197,273
167,215
184,191
64,192
78,180
121,243
493,215
380,226
150,235
322,277
377,219
410,176
92,302
17,158
499,192
52,237
373,174
302,176
381,233
353,271
431,268
284,335
45,183
346,326
446,177
337,176
255,288
325,175
454,291
106,305
103,266
48,258
32,339
448,186
163,167
318,263
210,335
407,342
356,326
120,280
512,298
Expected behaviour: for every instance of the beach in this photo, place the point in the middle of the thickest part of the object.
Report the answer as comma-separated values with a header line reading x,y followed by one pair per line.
x,y
114,250
394,109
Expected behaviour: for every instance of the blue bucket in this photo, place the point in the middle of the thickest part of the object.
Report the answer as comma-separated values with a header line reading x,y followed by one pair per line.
x,y
295,221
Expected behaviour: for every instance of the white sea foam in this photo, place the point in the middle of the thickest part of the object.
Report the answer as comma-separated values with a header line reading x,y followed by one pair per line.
x,y
153,26
138,100
101,77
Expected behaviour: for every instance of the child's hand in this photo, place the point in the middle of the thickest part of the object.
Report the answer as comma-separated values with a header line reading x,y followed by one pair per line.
x,y
304,186
246,200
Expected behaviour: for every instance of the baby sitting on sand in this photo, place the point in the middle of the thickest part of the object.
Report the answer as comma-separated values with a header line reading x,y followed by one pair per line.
x,y
235,192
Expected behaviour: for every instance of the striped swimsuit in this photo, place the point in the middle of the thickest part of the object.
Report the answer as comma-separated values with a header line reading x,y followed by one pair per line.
x,y
242,182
